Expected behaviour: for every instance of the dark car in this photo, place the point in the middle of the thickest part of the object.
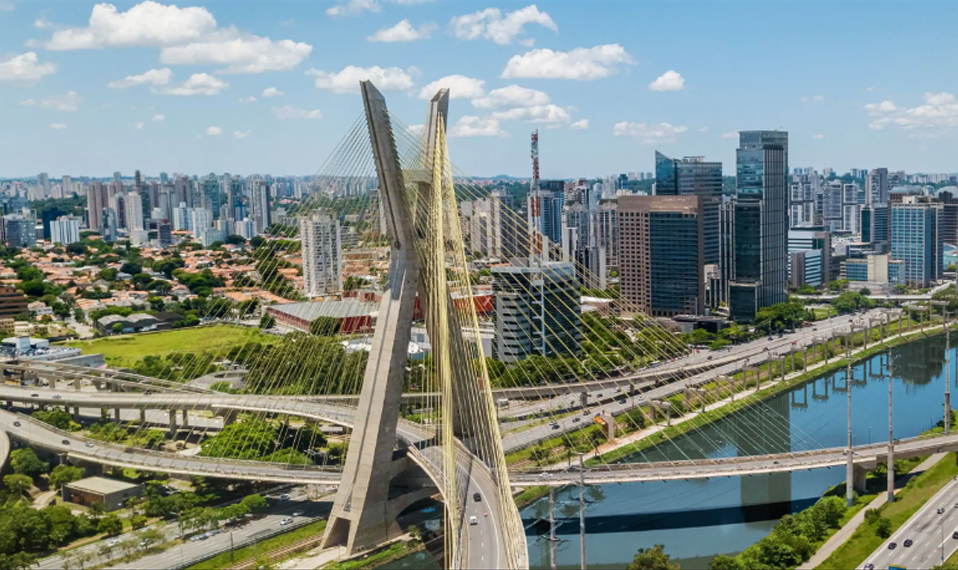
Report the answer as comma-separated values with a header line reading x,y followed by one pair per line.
x,y
16,424
477,498
869,566
892,545
954,534
34,395
65,442
908,542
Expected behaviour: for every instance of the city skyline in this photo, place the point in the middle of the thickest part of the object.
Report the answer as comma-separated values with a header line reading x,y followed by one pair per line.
x,y
619,86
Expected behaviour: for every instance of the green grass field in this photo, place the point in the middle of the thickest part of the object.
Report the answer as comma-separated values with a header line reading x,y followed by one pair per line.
x,y
125,350
263,548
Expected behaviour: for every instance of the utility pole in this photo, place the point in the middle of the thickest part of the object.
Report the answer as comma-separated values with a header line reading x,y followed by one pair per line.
x,y
231,548
947,375
552,527
581,513
891,429
850,466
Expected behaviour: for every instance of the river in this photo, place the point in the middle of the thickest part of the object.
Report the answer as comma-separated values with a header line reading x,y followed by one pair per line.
x,y
696,520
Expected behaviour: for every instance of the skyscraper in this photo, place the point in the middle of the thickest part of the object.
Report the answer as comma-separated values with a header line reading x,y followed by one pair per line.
x,y
96,200
322,253
65,230
259,206
759,271
43,180
917,239
662,253
108,225
211,191
692,175
134,211
877,186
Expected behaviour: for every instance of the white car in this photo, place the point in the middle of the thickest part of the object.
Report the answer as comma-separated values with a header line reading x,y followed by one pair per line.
x,y
297,513
473,521
286,521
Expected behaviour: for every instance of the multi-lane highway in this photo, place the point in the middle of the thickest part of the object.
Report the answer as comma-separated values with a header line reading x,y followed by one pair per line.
x,y
930,532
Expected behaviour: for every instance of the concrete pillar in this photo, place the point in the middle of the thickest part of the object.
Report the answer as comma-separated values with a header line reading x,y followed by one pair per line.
x,y
186,418
859,480
229,416
584,399
76,413
76,383
52,381
143,415
172,421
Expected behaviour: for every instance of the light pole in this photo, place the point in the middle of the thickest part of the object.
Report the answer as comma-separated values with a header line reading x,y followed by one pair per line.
x,y
850,466
891,429
581,512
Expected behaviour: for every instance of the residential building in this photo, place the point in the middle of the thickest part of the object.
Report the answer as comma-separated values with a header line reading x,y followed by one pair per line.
x,y
877,186
97,198
65,230
12,302
134,211
108,225
874,224
760,219
321,237
662,254
19,232
805,267
201,220
537,310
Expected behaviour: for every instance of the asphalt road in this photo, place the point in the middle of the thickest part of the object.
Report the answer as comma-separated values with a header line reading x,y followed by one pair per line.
x,y
931,533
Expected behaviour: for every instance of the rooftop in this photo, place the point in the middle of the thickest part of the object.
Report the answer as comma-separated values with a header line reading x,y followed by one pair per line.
x,y
101,485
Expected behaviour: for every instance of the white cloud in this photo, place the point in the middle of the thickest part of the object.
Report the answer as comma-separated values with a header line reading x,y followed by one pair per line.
x,y
159,118
545,114
580,64
472,126
818,137
938,114
66,102
272,92
241,134
214,131
813,99
347,80
42,23
137,126
460,87
152,77
649,133
730,135
24,68
290,112
491,25
415,129
57,126
511,96
197,84
403,32
669,81
354,7
249,99
146,24
580,125
704,130
240,53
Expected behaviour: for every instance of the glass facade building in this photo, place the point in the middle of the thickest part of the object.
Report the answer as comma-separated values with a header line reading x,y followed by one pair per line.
x,y
694,176
760,242
917,239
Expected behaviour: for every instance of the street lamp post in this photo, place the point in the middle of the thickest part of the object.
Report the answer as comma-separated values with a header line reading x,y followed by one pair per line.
x,y
582,512
891,429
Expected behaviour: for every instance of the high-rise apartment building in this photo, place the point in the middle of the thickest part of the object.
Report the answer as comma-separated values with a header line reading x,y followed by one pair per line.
x,y
19,232
804,190
202,220
134,211
877,186
259,206
537,310
108,225
97,198
65,230
211,192
759,272
694,176
66,188
662,254
322,253
874,224
43,180
917,239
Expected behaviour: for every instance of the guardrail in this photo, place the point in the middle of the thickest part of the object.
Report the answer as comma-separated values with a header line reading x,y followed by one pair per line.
x,y
259,537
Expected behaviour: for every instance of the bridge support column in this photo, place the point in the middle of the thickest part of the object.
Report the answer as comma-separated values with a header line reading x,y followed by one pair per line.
x,y
143,416
76,413
859,479
172,422
116,414
186,418
52,382
76,383
229,416
584,399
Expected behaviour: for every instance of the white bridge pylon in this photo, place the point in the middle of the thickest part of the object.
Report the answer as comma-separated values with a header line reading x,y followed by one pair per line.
x,y
464,455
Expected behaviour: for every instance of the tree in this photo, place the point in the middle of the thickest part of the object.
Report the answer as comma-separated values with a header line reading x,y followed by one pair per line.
x,y
117,328
234,239
137,522
254,503
111,525
883,527
722,562
267,321
864,291
538,454
64,474
25,462
18,484
324,326
97,510
651,559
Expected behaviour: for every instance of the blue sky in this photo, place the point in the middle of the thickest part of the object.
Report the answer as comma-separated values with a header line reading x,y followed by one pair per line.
x,y
87,88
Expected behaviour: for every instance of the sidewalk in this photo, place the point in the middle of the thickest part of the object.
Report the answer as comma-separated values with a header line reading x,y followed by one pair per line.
x,y
844,533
